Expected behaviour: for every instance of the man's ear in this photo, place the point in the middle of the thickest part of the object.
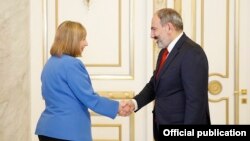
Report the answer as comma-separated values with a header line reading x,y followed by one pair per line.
x,y
171,26
166,26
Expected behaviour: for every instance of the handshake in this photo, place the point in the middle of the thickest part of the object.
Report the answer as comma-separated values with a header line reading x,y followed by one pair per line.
x,y
126,107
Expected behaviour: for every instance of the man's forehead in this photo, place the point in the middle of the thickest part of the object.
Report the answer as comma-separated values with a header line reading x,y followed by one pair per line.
x,y
155,20
155,17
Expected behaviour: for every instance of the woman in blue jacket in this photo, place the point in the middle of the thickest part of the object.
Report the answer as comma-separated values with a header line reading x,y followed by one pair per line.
x,y
67,90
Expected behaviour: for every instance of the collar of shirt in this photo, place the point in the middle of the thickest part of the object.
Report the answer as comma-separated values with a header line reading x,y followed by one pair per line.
x,y
172,44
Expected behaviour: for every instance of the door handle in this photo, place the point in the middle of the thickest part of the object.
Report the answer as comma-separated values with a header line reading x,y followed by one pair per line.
x,y
243,93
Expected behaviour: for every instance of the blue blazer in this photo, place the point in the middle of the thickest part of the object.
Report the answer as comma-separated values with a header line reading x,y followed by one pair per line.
x,y
68,93
181,90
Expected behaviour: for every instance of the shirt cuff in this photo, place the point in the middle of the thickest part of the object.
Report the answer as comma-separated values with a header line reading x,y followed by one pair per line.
x,y
135,103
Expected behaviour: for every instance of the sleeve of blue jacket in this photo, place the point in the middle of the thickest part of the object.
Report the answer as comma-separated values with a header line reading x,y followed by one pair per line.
x,y
80,83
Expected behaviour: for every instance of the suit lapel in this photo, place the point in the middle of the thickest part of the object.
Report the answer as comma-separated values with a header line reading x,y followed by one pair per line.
x,y
171,56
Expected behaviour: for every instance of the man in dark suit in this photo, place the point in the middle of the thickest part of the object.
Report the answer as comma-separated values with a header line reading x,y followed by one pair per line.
x,y
179,86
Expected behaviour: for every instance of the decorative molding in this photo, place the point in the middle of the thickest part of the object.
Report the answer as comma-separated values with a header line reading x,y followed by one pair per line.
x,y
130,74
178,6
119,29
158,4
87,3
226,104
119,95
119,126
226,75
44,32
237,62
214,87
193,21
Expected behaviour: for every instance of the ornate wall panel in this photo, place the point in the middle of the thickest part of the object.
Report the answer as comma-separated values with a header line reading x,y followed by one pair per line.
x,y
216,43
122,128
109,54
219,110
218,19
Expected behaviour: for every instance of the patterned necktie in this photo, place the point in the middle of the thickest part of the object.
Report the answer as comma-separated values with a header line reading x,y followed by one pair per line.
x,y
163,60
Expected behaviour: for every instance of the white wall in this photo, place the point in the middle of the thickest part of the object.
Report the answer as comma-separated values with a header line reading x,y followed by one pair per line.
x,y
24,21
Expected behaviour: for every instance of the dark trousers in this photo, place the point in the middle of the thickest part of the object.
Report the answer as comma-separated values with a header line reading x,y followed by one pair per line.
x,y
45,138
155,127
156,131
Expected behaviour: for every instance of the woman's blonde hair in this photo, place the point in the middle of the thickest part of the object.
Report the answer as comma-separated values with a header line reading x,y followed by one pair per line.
x,y
67,39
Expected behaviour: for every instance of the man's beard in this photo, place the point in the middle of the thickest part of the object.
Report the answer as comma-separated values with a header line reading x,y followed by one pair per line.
x,y
160,44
